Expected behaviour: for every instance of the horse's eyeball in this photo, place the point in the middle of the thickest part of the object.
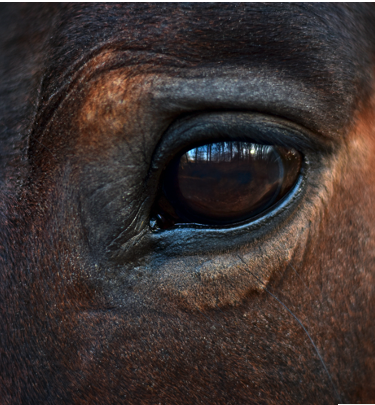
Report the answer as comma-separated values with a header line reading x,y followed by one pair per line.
x,y
225,183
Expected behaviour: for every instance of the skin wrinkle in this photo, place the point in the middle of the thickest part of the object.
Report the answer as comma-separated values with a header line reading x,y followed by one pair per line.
x,y
328,30
161,323
262,95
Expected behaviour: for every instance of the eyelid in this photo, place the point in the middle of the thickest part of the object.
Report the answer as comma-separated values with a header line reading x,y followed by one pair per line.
x,y
190,130
203,128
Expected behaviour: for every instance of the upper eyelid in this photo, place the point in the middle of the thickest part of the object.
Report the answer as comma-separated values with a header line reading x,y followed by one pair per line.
x,y
246,126
232,90
262,92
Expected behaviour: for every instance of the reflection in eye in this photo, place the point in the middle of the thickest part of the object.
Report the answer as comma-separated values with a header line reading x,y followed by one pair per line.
x,y
224,183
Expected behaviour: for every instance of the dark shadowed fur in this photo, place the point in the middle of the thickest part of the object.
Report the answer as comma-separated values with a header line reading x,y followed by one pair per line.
x,y
96,308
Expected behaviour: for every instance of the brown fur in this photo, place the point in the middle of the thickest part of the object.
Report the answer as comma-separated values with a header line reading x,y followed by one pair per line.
x,y
97,309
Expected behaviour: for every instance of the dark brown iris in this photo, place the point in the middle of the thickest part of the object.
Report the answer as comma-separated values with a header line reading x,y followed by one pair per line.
x,y
225,182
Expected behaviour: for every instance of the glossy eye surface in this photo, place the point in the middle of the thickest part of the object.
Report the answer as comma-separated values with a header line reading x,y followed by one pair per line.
x,y
225,182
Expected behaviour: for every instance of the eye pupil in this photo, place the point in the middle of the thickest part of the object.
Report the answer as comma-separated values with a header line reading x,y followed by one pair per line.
x,y
226,182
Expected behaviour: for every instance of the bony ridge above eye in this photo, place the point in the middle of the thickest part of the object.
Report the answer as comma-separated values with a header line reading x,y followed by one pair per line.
x,y
226,182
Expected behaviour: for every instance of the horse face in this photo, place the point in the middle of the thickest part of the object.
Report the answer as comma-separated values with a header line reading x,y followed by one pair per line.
x,y
111,290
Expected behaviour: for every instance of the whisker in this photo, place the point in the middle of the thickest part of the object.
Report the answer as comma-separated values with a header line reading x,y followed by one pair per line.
x,y
295,271
44,146
302,326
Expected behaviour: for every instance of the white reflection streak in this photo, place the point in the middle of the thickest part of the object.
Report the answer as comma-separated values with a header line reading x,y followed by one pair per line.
x,y
227,151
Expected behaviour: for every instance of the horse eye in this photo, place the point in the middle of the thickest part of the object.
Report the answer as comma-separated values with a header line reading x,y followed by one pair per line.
x,y
224,183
